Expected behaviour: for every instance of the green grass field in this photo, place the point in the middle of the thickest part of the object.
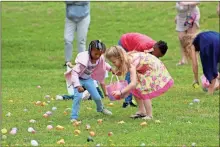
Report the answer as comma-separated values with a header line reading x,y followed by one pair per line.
x,y
33,54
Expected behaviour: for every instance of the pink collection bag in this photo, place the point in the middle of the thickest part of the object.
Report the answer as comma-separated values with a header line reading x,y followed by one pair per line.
x,y
204,81
119,85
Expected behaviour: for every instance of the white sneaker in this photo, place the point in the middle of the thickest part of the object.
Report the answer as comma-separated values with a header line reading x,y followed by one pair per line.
x,y
106,112
59,97
85,95
147,117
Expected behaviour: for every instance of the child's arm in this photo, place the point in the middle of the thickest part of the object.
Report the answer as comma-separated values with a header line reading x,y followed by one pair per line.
x,y
212,87
132,84
109,68
103,88
148,51
218,8
195,65
76,71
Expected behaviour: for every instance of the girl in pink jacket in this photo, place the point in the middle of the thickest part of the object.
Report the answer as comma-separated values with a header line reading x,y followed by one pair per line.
x,y
89,65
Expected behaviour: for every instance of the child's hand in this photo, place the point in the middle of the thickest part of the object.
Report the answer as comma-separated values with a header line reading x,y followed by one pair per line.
x,y
80,89
116,94
69,64
113,71
118,73
195,84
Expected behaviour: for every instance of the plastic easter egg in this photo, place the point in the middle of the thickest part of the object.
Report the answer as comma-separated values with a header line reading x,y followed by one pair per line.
x,y
49,113
54,108
193,144
8,114
49,127
45,115
31,130
99,121
13,131
91,133
196,100
61,141
190,104
34,143
32,121
110,133
4,131
4,137
47,96
88,127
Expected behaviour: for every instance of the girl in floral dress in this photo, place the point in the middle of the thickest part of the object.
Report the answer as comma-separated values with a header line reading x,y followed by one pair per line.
x,y
149,77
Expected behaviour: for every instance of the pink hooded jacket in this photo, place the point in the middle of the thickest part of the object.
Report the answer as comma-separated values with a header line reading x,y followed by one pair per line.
x,y
82,61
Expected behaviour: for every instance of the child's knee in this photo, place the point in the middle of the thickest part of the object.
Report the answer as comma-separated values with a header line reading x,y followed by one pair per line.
x,y
77,96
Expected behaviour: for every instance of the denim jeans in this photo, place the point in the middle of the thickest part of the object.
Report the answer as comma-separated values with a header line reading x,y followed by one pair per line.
x,y
81,29
89,85
127,78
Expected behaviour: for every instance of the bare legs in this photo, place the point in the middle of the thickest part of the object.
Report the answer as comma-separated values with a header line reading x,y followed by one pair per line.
x,y
144,106
192,30
183,58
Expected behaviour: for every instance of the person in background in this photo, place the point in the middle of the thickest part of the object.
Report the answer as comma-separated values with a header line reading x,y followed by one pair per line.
x,y
187,22
77,20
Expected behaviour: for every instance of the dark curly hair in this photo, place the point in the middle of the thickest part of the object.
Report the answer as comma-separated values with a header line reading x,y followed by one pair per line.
x,y
98,45
162,46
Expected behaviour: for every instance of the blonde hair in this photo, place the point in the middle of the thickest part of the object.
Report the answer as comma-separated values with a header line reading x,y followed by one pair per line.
x,y
119,52
187,45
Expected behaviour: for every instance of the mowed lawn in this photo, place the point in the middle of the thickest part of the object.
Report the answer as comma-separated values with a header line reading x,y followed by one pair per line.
x,y
33,54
